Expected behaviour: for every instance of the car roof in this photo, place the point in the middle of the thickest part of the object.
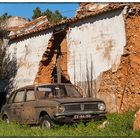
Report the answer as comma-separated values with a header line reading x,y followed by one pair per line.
x,y
43,84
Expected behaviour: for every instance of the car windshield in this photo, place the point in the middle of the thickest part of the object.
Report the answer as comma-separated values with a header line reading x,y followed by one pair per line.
x,y
72,92
57,91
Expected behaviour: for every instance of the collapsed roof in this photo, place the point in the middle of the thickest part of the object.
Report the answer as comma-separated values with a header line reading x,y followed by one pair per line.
x,y
42,22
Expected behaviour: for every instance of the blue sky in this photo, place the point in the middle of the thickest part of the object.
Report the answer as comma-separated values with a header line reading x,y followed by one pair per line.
x,y
26,9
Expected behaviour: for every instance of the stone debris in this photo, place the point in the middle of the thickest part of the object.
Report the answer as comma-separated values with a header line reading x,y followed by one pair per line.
x,y
104,124
136,124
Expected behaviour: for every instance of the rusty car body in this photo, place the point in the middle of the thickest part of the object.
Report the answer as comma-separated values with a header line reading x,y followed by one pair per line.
x,y
46,104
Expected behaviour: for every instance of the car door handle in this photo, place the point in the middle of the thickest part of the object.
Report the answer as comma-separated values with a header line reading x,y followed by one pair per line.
x,y
21,105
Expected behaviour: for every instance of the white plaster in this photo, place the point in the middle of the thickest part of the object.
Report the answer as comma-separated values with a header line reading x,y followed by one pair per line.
x,y
28,54
88,41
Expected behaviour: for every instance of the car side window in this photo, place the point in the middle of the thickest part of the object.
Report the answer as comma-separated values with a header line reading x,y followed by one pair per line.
x,y
20,96
30,96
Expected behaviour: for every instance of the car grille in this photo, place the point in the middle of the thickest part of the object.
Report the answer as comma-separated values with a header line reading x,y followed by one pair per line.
x,y
82,107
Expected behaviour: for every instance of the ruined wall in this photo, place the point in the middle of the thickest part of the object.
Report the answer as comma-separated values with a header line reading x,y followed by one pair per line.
x,y
93,49
123,85
47,72
100,54
95,45
89,7
34,59
13,21
27,54
89,48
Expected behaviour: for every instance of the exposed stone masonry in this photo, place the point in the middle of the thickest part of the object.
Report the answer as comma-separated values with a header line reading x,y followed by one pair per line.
x,y
47,68
89,7
122,86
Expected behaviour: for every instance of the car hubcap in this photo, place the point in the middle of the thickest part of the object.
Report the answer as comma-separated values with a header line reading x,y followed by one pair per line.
x,y
46,124
6,120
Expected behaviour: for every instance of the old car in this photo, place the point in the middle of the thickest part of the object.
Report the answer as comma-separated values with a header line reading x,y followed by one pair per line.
x,y
47,104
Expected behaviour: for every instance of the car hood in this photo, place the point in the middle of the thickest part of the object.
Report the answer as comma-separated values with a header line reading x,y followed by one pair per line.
x,y
57,101
75,100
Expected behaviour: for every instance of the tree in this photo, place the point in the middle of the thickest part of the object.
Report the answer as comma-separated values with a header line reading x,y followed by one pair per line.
x,y
36,13
48,13
53,17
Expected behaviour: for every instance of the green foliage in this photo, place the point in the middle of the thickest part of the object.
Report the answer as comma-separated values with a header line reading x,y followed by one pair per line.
x,y
53,17
120,125
37,13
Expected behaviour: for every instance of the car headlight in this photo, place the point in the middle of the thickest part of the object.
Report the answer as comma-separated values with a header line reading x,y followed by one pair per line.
x,y
101,106
61,108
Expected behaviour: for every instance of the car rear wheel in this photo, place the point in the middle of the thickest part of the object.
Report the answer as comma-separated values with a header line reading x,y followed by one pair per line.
x,y
5,119
45,122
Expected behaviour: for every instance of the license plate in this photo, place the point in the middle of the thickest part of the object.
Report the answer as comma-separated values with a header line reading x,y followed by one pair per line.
x,y
82,116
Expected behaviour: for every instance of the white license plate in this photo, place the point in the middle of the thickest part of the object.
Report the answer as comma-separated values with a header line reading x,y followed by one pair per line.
x,y
82,116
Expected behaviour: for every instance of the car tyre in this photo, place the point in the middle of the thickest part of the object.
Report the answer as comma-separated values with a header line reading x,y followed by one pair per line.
x,y
45,122
6,119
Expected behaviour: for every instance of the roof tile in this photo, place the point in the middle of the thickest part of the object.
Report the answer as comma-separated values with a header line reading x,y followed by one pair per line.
x,y
42,23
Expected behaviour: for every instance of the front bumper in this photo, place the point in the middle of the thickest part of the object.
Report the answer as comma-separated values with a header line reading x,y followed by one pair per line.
x,y
68,117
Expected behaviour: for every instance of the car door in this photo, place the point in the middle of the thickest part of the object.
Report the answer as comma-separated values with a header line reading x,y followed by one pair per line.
x,y
7,109
29,110
17,105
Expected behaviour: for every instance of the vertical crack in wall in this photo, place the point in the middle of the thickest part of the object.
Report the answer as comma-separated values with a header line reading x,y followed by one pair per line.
x,y
47,72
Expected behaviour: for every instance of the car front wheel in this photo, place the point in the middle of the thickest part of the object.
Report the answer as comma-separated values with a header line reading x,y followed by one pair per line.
x,y
5,119
45,122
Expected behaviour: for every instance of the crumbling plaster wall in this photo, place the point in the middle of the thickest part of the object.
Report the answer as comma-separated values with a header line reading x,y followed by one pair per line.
x,y
28,52
124,84
95,45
